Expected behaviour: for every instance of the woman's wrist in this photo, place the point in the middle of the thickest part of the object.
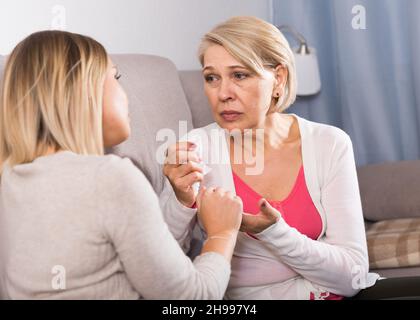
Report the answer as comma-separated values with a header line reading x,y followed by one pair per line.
x,y
185,203
188,204
228,234
222,243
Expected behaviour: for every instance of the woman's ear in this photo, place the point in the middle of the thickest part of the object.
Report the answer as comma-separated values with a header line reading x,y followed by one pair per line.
x,y
280,74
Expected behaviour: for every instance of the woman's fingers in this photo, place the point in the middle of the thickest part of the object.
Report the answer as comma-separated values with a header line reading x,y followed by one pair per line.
x,y
183,170
184,183
201,192
181,145
180,157
219,212
177,153
269,211
249,221
261,221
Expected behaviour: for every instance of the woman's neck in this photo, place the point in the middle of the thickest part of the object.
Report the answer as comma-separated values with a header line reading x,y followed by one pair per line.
x,y
279,129
49,151
276,131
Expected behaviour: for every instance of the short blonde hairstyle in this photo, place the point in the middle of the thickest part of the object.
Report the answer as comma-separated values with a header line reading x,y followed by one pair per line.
x,y
51,97
257,44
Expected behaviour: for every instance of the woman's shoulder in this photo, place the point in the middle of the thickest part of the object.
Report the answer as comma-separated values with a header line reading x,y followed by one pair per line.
x,y
114,162
102,172
322,133
118,180
67,162
113,167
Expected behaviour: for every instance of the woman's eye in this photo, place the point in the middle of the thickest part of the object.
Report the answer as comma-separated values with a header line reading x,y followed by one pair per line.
x,y
117,76
210,78
240,75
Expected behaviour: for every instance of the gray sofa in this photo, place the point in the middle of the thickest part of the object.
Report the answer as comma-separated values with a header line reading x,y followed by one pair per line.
x,y
390,195
160,96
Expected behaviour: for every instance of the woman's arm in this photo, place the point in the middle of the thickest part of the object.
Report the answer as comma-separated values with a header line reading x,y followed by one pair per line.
x,y
152,259
178,198
180,219
339,261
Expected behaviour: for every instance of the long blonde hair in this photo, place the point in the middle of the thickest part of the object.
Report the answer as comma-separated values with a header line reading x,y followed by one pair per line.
x,y
51,97
257,44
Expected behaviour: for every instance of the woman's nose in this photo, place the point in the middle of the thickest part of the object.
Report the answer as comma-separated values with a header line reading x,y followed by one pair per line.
x,y
226,90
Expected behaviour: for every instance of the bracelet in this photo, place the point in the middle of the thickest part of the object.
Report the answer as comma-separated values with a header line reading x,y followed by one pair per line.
x,y
218,237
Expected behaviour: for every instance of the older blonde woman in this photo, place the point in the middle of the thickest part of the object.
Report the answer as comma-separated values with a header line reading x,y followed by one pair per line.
x,y
74,223
304,235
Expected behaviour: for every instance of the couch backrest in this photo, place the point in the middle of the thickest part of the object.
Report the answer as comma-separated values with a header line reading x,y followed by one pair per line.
x,y
390,190
156,101
192,82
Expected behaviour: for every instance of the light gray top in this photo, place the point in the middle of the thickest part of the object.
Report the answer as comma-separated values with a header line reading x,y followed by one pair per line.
x,y
93,224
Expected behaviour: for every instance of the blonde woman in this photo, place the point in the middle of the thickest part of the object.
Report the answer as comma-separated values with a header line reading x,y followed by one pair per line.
x,y
304,235
74,223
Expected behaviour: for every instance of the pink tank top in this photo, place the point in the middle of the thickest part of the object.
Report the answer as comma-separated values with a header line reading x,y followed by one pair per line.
x,y
298,210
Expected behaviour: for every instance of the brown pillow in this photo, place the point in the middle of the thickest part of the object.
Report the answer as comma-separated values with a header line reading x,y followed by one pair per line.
x,y
394,243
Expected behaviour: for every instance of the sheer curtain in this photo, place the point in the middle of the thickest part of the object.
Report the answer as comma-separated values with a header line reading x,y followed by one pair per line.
x,y
370,77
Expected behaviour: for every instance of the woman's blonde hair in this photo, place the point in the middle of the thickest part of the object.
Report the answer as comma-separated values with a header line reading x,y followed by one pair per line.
x,y
257,44
51,97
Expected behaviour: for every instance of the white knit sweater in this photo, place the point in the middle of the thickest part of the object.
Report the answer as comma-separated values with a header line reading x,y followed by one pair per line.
x,y
337,262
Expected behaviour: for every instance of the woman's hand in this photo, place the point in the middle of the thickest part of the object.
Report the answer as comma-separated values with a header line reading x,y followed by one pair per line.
x,y
182,169
220,212
265,218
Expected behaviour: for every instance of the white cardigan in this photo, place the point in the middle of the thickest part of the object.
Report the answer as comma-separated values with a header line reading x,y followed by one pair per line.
x,y
338,261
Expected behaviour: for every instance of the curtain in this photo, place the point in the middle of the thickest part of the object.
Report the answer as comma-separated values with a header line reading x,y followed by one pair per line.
x,y
370,77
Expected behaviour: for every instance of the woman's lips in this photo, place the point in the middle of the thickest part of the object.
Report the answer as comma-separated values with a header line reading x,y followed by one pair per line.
x,y
230,115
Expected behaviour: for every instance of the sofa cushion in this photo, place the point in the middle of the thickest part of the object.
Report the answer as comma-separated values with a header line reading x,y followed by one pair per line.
x,y
394,243
390,190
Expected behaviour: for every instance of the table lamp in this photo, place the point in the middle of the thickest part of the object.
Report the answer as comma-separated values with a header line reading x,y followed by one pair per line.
x,y
307,69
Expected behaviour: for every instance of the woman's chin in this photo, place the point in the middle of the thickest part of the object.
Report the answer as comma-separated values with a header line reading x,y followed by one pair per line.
x,y
230,126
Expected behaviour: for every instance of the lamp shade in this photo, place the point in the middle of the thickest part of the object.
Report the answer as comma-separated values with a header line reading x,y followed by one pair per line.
x,y
307,70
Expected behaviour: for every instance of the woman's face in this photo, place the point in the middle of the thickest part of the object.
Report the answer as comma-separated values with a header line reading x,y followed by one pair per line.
x,y
116,122
238,97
